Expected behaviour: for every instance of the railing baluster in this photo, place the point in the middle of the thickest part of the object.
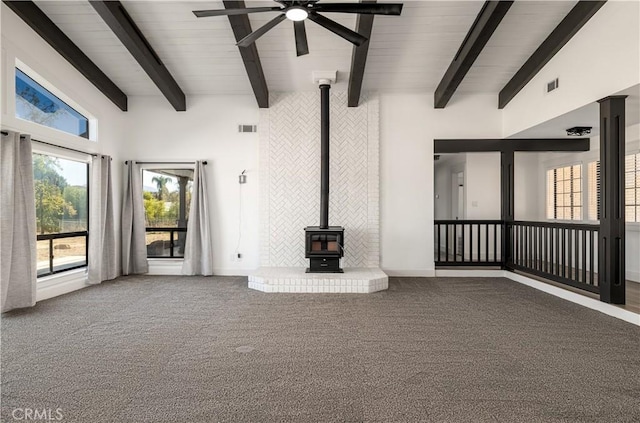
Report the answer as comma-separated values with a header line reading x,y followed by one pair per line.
x,y
479,238
495,244
525,249
455,242
521,238
530,245
538,248
534,247
565,238
462,242
570,257
529,239
591,251
576,254
446,244
438,242
471,242
584,256
50,255
563,251
548,250
486,241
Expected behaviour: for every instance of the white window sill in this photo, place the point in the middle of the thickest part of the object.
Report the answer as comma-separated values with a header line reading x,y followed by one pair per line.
x,y
58,278
61,283
165,266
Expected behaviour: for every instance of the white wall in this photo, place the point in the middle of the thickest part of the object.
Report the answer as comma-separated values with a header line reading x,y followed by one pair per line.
x,y
19,42
600,60
444,179
208,130
408,126
482,186
528,187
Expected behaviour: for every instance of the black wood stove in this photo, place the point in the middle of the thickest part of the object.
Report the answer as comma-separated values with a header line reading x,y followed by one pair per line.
x,y
324,244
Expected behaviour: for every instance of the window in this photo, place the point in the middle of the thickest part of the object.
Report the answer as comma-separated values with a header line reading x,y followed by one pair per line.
x,y
37,104
564,193
167,198
593,177
631,188
62,213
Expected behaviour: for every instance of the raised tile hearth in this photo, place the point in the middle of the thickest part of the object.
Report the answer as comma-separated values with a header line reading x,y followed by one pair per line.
x,y
359,280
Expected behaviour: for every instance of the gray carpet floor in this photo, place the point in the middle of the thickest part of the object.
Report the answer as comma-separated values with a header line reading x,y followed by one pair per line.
x,y
175,349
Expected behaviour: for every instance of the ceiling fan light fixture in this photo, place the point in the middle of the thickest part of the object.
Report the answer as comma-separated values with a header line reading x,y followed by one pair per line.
x,y
296,14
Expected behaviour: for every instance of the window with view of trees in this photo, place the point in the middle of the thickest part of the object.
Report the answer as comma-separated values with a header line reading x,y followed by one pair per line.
x,y
37,104
62,213
167,198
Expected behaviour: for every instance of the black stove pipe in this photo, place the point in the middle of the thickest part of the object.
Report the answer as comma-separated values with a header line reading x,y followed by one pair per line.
x,y
324,156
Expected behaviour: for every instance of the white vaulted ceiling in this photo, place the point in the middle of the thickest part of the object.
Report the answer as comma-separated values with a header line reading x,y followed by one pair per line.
x,y
407,53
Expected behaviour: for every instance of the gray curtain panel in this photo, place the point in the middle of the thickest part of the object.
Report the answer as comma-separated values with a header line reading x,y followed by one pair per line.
x,y
18,254
103,263
134,248
198,256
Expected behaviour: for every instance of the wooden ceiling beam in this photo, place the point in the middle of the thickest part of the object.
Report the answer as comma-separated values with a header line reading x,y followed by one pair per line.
x,y
241,28
481,145
479,34
566,29
116,17
364,25
48,31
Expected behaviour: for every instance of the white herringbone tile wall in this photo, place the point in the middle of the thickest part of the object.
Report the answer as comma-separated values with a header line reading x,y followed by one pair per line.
x,y
290,177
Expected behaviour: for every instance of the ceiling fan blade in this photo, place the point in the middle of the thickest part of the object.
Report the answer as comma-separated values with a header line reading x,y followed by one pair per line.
x,y
362,8
246,41
302,47
333,26
231,12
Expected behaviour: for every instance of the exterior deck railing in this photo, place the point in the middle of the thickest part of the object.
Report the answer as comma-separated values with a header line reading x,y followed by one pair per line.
x,y
167,248
64,262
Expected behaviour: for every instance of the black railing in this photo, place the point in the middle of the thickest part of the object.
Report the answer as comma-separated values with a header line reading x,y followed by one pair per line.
x,y
468,242
562,252
75,263
167,248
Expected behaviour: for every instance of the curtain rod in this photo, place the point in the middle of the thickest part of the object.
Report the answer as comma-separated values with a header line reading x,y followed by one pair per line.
x,y
165,163
55,145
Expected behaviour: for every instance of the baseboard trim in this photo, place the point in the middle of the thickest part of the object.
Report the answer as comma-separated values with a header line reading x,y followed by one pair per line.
x,y
633,276
486,273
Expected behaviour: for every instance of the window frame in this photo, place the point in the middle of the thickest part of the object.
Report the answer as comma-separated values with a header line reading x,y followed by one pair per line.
x,y
582,192
150,166
39,88
636,205
52,151
39,131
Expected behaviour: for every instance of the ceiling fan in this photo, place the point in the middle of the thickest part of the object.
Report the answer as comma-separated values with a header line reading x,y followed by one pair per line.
x,y
300,10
